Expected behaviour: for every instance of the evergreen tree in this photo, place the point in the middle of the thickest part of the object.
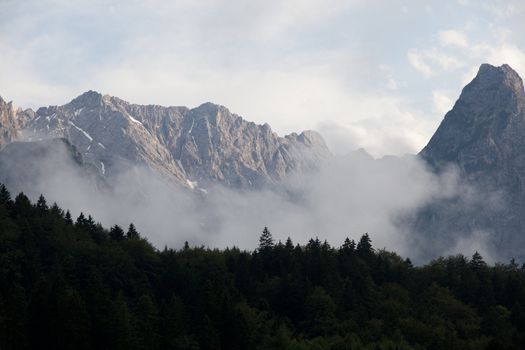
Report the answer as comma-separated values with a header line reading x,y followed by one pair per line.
x,y
265,240
288,245
348,246
132,232
5,196
22,205
90,222
81,220
41,204
116,233
57,211
68,219
62,288
477,262
364,246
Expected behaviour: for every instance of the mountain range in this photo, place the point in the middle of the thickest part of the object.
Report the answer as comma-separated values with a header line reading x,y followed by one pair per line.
x,y
192,147
482,138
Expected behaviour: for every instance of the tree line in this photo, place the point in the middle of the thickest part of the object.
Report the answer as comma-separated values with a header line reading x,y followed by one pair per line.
x,y
72,284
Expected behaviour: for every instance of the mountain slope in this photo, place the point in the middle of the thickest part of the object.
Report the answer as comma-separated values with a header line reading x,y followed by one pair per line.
x,y
204,145
483,137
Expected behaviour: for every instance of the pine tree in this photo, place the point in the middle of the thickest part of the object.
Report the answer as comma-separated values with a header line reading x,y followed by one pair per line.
x,y
23,205
364,246
132,232
56,210
265,240
68,219
91,226
41,204
348,245
477,261
81,220
289,244
5,196
116,233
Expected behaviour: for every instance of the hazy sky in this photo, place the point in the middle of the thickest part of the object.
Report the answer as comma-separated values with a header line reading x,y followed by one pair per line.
x,y
372,74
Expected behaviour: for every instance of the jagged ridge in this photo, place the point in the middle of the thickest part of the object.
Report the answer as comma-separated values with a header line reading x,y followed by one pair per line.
x,y
203,145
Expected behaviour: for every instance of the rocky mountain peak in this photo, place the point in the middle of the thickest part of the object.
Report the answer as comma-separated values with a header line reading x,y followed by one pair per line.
x,y
486,125
87,99
483,136
494,84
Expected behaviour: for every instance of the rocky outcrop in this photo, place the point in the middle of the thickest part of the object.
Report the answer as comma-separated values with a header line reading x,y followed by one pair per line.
x,y
483,136
194,147
12,120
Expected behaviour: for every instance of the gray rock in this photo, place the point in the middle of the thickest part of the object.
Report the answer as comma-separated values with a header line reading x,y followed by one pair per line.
x,y
484,137
193,147
12,120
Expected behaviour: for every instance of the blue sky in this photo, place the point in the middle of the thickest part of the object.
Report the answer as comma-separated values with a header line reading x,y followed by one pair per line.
x,y
372,74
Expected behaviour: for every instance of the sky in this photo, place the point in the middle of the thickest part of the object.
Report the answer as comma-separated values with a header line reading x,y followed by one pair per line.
x,y
378,75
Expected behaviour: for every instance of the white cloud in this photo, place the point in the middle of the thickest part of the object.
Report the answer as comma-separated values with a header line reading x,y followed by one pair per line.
x,y
509,54
443,101
452,38
380,125
417,61
430,60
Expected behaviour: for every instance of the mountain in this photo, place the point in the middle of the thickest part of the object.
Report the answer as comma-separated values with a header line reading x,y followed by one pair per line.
x,y
193,147
483,137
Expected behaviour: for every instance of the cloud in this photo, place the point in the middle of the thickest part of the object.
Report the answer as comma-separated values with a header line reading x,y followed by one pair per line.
x,y
452,38
381,125
443,101
509,54
431,60
417,60
346,197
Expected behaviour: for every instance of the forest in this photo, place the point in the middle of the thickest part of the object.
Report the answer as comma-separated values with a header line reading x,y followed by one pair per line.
x,y
70,283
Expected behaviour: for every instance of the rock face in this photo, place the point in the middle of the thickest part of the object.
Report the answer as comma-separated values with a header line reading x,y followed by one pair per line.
x,y
193,147
12,120
484,137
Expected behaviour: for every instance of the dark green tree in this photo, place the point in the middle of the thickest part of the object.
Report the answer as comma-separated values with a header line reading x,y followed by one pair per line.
x,y
81,220
265,240
348,246
68,219
364,246
116,233
5,196
132,232
477,262
41,204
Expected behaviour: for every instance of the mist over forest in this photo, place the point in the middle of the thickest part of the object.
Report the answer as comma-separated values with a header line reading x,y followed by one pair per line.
x,y
345,197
